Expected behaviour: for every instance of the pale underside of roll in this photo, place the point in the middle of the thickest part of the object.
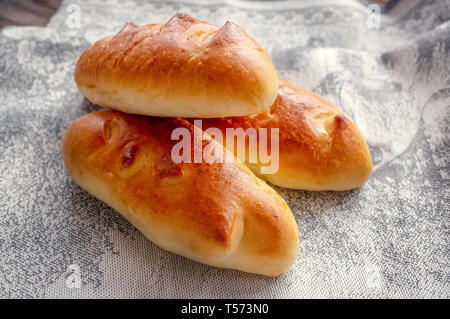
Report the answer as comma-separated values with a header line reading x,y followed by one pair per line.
x,y
219,214
319,146
184,68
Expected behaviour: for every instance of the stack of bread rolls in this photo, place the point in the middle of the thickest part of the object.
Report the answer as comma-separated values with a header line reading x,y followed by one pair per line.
x,y
161,77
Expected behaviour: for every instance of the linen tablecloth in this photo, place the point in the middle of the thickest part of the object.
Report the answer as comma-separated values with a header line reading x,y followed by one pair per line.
x,y
389,73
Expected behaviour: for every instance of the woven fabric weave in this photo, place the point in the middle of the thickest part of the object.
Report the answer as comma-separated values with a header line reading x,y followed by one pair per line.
x,y
388,239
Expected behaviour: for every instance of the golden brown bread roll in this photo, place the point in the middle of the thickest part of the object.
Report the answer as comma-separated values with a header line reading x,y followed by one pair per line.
x,y
186,68
319,147
219,214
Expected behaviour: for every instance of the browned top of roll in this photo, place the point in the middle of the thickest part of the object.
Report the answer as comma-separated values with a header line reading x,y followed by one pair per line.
x,y
205,205
186,67
318,144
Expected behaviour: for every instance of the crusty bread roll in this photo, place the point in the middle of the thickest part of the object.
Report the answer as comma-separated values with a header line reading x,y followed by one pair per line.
x,y
219,214
186,68
319,147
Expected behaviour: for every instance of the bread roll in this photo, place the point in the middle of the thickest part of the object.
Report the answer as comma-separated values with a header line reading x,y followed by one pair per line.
x,y
219,214
319,146
185,68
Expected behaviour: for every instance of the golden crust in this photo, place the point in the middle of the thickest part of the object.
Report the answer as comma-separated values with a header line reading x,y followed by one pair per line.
x,y
320,148
186,68
218,214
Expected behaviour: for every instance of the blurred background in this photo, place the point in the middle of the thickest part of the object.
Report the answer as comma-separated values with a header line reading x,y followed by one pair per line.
x,y
27,12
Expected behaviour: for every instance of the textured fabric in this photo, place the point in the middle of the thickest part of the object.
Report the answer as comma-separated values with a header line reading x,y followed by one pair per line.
x,y
388,239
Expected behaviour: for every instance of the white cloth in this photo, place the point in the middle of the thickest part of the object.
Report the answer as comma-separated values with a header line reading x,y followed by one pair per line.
x,y
388,239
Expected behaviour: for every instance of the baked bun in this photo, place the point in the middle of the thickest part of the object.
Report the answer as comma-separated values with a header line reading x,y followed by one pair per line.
x,y
319,147
184,68
219,214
